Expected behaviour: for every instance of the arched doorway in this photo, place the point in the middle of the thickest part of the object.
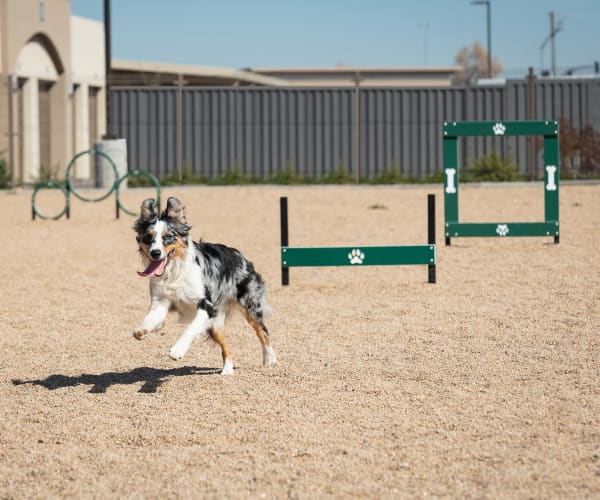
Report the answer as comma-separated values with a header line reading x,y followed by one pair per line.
x,y
38,68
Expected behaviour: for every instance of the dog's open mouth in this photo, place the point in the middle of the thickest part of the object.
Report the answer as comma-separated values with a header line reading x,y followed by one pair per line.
x,y
156,267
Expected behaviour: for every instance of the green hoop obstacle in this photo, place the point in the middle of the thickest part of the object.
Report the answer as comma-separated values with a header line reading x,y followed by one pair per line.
x,y
68,188
49,185
135,173
550,225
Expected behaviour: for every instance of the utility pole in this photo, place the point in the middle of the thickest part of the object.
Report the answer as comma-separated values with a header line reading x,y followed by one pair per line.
x,y
488,7
552,42
107,66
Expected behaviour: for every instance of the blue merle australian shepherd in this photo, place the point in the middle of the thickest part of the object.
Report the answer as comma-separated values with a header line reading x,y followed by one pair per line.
x,y
202,281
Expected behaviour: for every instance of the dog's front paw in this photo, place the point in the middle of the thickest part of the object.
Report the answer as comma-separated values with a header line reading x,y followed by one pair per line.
x,y
140,333
177,352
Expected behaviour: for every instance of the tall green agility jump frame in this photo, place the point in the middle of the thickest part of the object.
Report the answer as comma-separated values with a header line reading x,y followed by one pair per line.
x,y
358,255
550,225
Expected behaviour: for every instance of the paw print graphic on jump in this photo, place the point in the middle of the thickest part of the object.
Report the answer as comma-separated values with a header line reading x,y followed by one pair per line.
x,y
499,129
356,256
502,229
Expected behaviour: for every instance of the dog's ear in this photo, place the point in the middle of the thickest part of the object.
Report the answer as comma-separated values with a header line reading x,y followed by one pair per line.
x,y
147,209
175,210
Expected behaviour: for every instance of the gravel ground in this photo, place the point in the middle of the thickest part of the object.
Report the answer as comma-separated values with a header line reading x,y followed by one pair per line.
x,y
484,385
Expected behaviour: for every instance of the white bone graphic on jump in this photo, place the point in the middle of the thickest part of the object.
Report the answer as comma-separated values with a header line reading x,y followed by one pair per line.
x,y
551,169
451,184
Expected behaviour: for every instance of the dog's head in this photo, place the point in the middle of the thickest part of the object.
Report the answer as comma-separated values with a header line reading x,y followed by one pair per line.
x,y
161,237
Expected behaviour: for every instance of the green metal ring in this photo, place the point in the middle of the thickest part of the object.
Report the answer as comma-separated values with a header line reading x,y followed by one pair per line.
x,y
142,173
70,187
49,185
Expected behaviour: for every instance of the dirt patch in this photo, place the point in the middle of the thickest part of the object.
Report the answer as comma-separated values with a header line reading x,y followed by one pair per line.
x,y
485,384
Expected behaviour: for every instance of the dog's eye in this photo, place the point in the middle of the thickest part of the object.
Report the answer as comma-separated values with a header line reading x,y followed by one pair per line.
x,y
169,238
147,239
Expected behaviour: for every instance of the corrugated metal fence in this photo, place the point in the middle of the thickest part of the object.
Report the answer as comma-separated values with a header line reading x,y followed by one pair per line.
x,y
313,131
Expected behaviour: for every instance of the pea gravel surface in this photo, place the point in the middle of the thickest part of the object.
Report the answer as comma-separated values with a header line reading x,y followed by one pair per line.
x,y
483,385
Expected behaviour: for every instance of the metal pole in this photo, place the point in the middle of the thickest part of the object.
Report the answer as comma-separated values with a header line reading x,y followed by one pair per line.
x,y
431,233
180,126
531,116
489,37
552,44
107,66
488,7
356,127
283,215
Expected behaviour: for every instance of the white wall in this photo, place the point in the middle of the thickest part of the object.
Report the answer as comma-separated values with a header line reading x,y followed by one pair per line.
x,y
87,51
87,70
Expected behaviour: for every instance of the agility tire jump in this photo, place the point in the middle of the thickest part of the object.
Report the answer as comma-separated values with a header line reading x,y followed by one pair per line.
x,y
49,185
549,227
358,255
69,189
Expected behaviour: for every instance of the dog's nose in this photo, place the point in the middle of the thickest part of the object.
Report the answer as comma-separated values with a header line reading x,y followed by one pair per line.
x,y
155,254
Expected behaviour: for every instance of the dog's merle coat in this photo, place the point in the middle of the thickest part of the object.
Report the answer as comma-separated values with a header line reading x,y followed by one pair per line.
x,y
200,280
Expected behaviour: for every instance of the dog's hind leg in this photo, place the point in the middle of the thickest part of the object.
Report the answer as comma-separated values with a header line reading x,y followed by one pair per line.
x,y
218,335
252,299
269,356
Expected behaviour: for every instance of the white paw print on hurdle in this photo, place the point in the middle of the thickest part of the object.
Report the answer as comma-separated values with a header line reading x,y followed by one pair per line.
x,y
499,129
356,256
502,229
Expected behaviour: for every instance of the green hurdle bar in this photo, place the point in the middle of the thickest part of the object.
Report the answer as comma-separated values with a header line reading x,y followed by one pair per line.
x,y
550,225
358,255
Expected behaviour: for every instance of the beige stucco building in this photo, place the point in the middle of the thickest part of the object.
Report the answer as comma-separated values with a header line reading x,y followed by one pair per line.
x,y
52,93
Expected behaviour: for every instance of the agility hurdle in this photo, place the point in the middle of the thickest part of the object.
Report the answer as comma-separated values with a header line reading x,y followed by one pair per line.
x,y
358,255
69,189
454,228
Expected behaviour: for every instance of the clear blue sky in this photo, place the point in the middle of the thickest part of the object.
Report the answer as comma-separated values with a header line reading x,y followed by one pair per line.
x,y
361,33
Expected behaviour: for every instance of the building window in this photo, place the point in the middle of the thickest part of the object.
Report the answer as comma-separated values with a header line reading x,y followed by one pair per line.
x,y
42,11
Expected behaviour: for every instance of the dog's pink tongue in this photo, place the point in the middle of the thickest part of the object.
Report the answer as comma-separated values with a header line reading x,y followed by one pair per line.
x,y
156,268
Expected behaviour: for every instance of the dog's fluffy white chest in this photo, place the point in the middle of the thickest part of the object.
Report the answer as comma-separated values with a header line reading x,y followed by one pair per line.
x,y
182,285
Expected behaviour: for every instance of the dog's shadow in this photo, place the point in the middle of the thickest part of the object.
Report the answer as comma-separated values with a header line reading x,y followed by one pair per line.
x,y
151,378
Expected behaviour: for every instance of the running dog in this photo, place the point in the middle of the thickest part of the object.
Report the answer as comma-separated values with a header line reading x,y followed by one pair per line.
x,y
202,281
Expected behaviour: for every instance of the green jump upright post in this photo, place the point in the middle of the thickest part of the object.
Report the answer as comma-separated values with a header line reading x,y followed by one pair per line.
x,y
453,227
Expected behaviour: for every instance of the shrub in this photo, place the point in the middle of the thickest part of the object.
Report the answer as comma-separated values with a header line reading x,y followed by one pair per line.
x,y
4,176
187,177
338,176
391,176
287,176
134,181
491,168
232,177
